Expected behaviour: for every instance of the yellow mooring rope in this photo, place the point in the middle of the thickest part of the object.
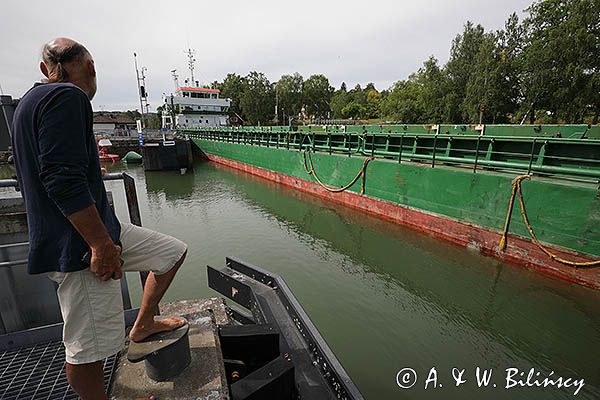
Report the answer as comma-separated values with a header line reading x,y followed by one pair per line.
x,y
517,189
362,173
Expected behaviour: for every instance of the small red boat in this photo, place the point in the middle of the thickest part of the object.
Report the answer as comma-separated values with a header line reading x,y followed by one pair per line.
x,y
103,154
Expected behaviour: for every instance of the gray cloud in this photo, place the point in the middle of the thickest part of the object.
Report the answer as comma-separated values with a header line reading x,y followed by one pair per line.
x,y
378,41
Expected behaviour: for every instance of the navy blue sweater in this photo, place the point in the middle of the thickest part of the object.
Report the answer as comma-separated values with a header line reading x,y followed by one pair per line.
x,y
58,170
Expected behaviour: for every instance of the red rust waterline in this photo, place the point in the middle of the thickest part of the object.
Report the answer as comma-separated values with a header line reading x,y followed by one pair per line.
x,y
519,251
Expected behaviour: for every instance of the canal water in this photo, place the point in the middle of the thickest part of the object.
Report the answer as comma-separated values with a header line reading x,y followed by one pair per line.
x,y
384,297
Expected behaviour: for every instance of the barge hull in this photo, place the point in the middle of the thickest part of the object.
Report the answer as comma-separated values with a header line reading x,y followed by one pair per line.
x,y
520,249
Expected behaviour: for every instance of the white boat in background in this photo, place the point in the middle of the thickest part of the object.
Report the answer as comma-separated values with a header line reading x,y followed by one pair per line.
x,y
194,106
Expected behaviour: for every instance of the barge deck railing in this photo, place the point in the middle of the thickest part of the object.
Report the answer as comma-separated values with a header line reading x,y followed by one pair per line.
x,y
562,157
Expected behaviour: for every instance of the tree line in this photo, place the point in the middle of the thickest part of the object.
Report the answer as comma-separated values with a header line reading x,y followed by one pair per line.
x,y
545,68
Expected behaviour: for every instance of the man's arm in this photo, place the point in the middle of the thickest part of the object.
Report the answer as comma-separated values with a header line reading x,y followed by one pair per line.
x,y
105,259
63,172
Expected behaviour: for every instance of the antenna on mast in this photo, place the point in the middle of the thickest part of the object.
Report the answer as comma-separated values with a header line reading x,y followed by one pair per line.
x,y
175,78
191,60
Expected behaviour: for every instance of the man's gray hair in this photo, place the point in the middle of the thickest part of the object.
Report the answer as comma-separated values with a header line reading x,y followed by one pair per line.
x,y
55,55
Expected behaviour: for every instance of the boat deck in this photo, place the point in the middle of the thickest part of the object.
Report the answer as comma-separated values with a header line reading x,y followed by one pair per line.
x,y
38,372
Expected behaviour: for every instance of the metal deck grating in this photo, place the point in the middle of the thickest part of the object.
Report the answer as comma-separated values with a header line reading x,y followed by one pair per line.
x,y
38,372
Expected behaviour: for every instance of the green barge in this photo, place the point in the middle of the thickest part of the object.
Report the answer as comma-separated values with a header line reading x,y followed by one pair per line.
x,y
525,194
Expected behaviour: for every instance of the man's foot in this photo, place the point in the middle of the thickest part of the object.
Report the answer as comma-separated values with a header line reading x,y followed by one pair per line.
x,y
141,332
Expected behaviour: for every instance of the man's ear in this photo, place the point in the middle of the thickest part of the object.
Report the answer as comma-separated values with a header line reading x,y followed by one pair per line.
x,y
44,69
91,68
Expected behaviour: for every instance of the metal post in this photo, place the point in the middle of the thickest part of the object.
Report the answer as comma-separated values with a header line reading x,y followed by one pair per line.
x,y
400,149
372,145
347,137
434,147
132,200
135,217
476,155
415,145
531,156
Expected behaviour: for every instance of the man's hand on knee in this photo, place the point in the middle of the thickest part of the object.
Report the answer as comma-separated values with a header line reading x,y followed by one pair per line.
x,y
106,261
105,258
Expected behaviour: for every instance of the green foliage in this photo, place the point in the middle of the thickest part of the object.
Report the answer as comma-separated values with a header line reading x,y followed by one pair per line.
x,y
561,58
258,99
339,100
465,48
232,87
133,114
353,110
154,120
403,103
420,99
288,92
491,89
373,108
358,103
316,93
433,94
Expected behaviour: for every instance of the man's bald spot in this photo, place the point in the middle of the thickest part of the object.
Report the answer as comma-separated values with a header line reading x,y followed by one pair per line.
x,y
60,51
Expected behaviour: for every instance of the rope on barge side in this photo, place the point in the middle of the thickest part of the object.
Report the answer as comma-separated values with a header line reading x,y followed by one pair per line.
x,y
362,173
516,189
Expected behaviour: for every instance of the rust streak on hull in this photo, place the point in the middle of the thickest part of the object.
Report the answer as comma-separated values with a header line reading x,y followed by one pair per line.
x,y
520,250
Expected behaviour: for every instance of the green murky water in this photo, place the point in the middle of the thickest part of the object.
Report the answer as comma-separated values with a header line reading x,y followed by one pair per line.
x,y
384,297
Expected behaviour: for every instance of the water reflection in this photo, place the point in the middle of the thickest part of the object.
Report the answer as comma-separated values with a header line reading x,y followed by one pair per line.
x,y
171,184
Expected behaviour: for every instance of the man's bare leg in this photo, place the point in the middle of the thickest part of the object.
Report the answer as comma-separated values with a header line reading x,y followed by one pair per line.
x,y
88,381
154,290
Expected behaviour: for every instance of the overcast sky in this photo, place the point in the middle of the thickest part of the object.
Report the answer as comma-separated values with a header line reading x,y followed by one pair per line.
x,y
378,41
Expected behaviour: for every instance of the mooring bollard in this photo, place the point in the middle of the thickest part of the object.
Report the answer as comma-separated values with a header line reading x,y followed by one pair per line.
x,y
165,354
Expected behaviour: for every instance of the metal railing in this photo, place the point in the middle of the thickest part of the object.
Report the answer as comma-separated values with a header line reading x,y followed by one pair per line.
x,y
578,158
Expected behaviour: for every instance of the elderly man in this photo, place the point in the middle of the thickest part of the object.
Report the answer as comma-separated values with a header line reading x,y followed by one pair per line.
x,y
69,216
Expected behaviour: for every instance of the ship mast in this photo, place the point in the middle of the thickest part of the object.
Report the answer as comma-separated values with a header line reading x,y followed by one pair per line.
x,y
191,60
175,78
141,81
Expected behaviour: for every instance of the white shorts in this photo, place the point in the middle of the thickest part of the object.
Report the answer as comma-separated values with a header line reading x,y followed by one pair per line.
x,y
92,309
